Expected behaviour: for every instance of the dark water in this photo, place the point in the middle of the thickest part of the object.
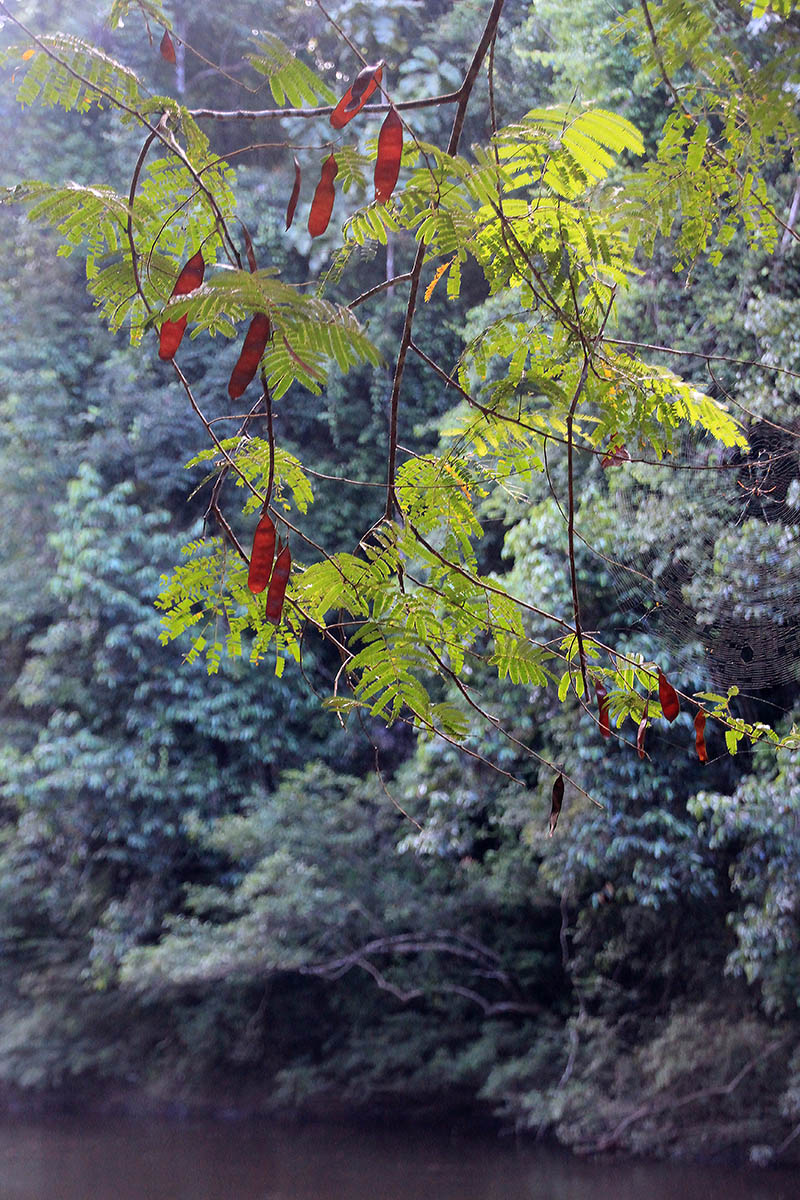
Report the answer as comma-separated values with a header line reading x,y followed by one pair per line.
x,y
79,1159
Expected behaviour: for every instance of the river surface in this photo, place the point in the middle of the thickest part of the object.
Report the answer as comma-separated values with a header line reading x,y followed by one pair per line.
x,y
69,1158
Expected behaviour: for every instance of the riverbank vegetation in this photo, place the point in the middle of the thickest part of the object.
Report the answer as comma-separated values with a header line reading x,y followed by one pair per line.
x,y
428,834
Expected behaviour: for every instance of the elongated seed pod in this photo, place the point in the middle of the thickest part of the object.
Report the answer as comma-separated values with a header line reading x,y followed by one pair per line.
x,y
602,705
249,250
277,585
189,280
167,48
322,204
390,152
261,555
295,196
556,802
247,364
357,95
699,736
670,704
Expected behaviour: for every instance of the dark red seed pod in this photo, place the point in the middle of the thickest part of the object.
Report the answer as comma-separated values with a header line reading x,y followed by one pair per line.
x,y
322,204
247,364
700,736
295,196
556,802
261,555
357,95
188,281
390,152
670,704
170,338
277,585
167,47
617,453
602,705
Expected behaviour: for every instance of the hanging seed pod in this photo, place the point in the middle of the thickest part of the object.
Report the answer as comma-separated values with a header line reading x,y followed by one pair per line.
x,y
357,95
556,802
700,736
277,585
616,454
390,152
642,731
167,48
670,704
322,204
188,281
602,705
261,555
295,196
248,249
254,345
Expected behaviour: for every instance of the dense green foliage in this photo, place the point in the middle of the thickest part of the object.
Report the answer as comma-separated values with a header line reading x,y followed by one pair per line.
x,y
204,877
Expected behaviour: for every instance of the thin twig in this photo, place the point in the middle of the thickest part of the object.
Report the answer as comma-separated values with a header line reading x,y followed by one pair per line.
x,y
465,91
324,110
168,141
380,287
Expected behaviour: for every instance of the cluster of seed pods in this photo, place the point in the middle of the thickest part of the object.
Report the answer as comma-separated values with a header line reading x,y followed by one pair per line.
x,y
262,574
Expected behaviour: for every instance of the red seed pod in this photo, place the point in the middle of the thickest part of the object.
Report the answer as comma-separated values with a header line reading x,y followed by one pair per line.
x,y
261,555
357,95
322,204
295,196
277,585
602,704
170,338
188,281
699,736
167,47
556,802
617,453
247,364
670,704
642,730
390,151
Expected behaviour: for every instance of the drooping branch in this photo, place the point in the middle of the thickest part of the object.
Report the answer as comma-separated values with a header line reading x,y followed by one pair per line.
x,y
672,1104
464,94
484,961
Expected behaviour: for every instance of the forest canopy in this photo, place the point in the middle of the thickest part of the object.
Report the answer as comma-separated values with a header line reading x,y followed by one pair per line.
x,y
473,324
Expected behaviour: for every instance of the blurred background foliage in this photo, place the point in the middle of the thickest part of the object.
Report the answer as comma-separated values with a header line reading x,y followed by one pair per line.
x,y
205,889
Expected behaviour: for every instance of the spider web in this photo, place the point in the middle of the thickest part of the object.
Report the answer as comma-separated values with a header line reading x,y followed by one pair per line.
x,y
707,547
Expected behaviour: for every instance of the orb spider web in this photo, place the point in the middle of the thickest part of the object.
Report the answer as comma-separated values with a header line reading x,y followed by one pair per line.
x,y
713,564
